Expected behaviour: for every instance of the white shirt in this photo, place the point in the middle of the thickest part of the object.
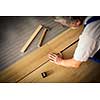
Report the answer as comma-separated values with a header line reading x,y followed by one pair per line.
x,y
89,41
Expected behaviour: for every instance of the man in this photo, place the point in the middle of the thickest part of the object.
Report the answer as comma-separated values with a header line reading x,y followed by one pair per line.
x,y
89,41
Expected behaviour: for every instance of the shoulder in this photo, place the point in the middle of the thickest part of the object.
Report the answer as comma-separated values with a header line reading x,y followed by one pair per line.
x,y
86,19
92,30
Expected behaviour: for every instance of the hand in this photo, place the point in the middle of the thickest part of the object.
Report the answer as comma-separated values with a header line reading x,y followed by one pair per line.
x,y
55,58
61,21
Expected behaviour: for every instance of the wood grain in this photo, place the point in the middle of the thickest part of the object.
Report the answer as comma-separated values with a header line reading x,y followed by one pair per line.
x,y
42,37
25,65
32,61
64,40
60,74
31,38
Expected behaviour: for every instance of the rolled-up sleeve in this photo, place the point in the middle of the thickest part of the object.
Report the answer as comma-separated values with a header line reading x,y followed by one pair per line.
x,y
85,48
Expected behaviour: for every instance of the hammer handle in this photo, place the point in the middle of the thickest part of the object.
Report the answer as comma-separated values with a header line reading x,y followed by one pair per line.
x,y
42,37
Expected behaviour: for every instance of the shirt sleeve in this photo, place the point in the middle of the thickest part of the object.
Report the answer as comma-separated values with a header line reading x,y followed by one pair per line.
x,y
85,48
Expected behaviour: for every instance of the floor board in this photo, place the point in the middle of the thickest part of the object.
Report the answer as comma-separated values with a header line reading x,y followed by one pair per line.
x,y
60,74
31,62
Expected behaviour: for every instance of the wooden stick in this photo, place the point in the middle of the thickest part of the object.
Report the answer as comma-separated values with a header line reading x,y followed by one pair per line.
x,y
42,37
31,38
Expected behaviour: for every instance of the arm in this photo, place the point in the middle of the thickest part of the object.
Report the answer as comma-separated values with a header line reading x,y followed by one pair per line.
x,y
71,63
84,50
64,62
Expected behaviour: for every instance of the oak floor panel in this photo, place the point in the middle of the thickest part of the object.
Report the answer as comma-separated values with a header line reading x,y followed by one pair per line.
x,y
16,30
25,65
61,74
64,40
29,63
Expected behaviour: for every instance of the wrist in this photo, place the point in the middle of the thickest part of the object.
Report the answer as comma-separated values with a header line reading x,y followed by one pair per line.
x,y
61,62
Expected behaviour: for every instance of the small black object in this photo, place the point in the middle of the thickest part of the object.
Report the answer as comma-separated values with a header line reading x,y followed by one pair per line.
x,y
44,74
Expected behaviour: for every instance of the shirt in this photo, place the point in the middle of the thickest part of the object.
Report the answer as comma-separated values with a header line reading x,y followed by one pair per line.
x,y
89,41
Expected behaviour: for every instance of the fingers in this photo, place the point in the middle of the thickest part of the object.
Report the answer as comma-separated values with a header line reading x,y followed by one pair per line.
x,y
52,57
52,61
58,21
55,58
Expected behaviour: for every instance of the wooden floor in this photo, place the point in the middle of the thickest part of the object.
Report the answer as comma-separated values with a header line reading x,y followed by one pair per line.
x,y
15,31
30,67
61,74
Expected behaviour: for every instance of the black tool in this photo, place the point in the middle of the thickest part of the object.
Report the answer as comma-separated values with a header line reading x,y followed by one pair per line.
x,y
44,74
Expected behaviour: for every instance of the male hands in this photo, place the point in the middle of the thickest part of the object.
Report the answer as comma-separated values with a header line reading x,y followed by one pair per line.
x,y
55,58
58,59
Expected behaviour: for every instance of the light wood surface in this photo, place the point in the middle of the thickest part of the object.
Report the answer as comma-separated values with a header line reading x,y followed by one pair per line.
x,y
64,40
15,31
25,65
42,37
34,60
58,73
31,38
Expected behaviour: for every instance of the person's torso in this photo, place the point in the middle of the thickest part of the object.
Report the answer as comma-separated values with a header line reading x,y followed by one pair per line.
x,y
92,30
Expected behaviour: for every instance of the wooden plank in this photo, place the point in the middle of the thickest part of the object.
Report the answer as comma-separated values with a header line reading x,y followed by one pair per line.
x,y
42,37
61,74
70,36
31,38
25,65
32,61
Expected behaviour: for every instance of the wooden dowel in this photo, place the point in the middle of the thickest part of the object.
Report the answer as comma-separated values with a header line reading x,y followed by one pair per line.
x,y
42,37
31,38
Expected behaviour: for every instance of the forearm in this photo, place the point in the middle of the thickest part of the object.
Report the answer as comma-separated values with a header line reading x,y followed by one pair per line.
x,y
70,63
64,62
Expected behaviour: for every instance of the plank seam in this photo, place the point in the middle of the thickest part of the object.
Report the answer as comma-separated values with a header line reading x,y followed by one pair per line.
x,y
46,61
